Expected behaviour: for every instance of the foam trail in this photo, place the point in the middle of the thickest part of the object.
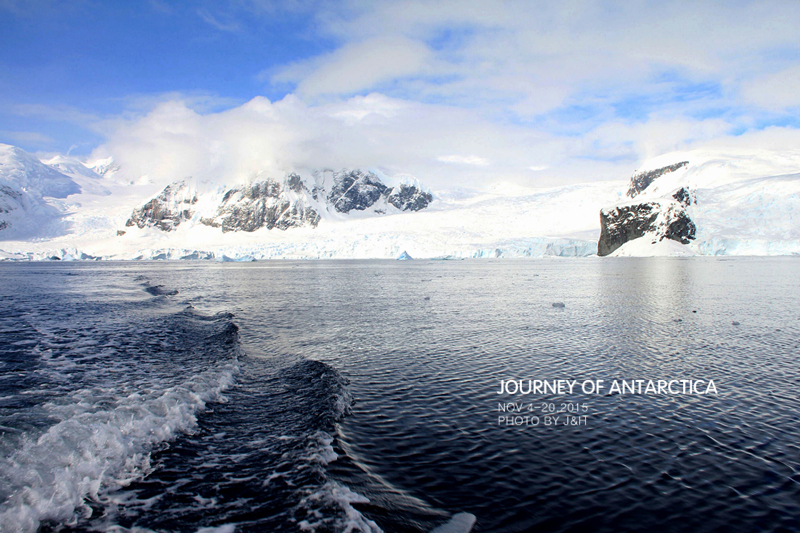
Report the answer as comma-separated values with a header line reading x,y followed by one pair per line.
x,y
91,452
335,495
227,528
459,523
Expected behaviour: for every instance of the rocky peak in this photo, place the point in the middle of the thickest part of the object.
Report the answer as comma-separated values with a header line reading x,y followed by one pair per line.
x,y
641,180
167,210
265,204
355,190
282,204
295,183
409,198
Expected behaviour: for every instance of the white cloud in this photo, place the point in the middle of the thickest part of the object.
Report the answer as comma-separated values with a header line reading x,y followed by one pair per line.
x,y
532,57
464,160
357,66
27,137
444,146
56,112
215,21
373,131
466,92
775,92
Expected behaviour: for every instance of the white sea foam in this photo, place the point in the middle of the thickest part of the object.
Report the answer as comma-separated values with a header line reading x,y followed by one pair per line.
x,y
332,494
320,450
94,450
227,528
459,523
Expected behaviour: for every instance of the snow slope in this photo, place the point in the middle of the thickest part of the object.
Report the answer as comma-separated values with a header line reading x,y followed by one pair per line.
x,y
558,222
25,186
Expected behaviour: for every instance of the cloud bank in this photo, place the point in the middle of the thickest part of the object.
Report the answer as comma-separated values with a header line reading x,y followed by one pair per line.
x,y
468,92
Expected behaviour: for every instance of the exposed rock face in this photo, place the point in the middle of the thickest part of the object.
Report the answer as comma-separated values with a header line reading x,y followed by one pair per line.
x,y
359,191
266,204
355,190
641,180
684,197
680,228
657,219
9,198
409,198
270,204
167,210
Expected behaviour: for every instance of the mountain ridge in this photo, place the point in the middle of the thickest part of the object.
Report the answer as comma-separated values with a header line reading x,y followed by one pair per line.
x,y
733,201
268,203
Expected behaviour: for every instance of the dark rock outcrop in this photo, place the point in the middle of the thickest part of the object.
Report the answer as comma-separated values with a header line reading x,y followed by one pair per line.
x,y
622,224
265,204
167,210
656,218
355,190
409,198
9,198
681,228
659,219
359,191
684,197
641,180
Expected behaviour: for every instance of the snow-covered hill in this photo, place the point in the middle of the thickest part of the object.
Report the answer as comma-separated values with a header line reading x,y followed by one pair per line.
x,y
731,202
713,202
25,185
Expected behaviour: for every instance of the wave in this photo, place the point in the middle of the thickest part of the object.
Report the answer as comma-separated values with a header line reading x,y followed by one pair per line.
x,y
115,394
90,453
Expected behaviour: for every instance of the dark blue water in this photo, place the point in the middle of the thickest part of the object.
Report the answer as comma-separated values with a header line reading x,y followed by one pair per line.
x,y
362,396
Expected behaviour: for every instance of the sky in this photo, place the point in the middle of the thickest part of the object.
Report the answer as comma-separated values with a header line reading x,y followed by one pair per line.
x,y
456,93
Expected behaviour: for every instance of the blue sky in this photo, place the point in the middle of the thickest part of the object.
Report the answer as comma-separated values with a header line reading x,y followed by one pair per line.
x,y
531,91
103,58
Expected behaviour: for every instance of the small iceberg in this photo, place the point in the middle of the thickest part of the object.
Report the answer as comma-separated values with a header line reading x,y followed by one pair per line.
x,y
404,257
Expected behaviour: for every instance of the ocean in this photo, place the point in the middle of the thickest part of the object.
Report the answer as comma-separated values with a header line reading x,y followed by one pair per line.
x,y
401,396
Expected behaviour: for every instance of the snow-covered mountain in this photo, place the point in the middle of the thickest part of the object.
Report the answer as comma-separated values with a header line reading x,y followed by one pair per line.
x,y
168,209
25,185
703,202
268,203
659,218
708,202
88,180
105,167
